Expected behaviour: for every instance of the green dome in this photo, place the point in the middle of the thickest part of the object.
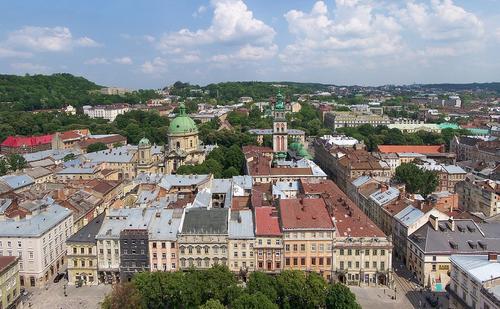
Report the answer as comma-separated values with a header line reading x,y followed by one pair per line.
x,y
182,123
144,142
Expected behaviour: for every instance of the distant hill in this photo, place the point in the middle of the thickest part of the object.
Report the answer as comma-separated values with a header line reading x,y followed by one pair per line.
x,y
230,91
468,86
34,92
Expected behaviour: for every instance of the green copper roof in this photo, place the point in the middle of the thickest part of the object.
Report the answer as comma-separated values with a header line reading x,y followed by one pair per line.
x,y
279,101
295,146
448,125
182,123
144,142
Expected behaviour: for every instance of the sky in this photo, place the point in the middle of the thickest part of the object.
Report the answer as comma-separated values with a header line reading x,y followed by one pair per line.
x,y
153,43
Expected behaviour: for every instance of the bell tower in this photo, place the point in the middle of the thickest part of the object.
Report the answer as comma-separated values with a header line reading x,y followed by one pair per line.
x,y
280,129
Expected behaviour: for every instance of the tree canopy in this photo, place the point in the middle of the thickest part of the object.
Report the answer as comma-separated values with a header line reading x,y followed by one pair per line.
x,y
217,287
416,179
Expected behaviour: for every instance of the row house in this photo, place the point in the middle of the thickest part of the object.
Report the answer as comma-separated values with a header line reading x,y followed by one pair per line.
x,y
81,254
475,149
268,240
362,253
241,240
163,232
203,238
479,195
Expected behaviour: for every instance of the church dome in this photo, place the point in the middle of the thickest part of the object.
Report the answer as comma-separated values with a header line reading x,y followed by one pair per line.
x,y
144,142
182,123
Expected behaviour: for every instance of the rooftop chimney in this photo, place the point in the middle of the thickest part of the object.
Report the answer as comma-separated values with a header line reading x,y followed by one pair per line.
x,y
492,257
451,224
434,222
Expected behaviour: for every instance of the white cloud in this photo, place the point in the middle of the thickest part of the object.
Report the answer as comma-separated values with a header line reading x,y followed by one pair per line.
x,y
356,29
96,61
27,67
233,26
442,20
123,60
154,67
247,53
46,39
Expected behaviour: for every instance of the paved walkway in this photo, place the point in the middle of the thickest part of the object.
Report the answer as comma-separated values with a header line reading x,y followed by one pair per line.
x,y
86,297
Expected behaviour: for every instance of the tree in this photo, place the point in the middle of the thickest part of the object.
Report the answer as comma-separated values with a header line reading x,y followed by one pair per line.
x,y
4,167
253,301
293,291
212,304
230,172
416,179
123,296
69,157
338,296
261,282
96,147
16,162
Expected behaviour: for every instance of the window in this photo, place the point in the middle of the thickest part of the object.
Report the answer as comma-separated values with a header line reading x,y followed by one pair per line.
x,y
349,264
287,262
260,241
287,247
75,263
90,250
367,264
382,265
357,252
172,245
154,246
341,264
367,252
295,247
91,263
163,255
382,252
434,258
206,250
374,251
302,261
269,241
313,261
341,251
321,247
82,250
320,261
19,244
357,265
154,255
74,250
198,250
313,247
433,267
349,251
374,264
172,255
83,263
302,247
278,242
295,261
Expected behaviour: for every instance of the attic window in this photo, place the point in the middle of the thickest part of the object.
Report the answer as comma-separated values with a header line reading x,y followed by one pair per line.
x,y
472,244
461,228
453,245
483,245
471,228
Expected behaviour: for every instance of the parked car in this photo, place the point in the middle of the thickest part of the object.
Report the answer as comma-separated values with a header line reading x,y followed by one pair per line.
x,y
58,277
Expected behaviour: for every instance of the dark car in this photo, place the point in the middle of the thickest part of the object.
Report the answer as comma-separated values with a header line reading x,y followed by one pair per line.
x,y
58,277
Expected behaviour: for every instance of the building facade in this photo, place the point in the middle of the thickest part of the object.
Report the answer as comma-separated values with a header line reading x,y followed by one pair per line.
x,y
9,282
134,255
268,240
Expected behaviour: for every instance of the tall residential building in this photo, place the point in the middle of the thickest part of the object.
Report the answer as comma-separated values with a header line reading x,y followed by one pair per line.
x,y
39,240
82,254
134,256
475,281
9,282
337,120
469,148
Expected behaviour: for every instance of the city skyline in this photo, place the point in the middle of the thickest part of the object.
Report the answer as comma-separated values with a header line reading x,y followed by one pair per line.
x,y
149,45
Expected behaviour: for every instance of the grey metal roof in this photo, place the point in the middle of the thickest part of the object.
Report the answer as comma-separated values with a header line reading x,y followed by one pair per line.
x,y
477,266
240,184
168,181
88,232
453,169
409,215
382,198
36,225
124,218
241,225
467,237
203,198
4,204
56,154
165,224
37,172
221,185
77,170
122,154
17,181
205,221
358,182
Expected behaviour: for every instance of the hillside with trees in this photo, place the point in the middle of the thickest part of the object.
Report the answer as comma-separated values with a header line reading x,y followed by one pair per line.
x,y
35,92
217,287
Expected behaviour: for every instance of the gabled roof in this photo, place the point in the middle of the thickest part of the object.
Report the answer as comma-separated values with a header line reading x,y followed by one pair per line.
x,y
89,231
28,141
266,224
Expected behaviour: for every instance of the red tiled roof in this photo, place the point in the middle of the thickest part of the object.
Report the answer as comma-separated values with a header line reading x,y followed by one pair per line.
x,y
6,261
265,223
411,148
291,171
349,219
19,141
304,213
240,202
68,135
117,138
259,149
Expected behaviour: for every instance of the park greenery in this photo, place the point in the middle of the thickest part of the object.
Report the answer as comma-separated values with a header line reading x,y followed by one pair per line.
x,y
35,92
416,179
12,163
382,135
217,287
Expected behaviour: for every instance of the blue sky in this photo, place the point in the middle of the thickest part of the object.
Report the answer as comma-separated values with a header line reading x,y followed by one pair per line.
x,y
149,44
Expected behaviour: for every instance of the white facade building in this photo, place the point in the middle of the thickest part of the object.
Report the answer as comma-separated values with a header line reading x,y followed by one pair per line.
x,y
108,112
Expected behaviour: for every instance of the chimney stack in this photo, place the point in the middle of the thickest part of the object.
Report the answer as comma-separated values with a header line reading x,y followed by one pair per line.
x,y
492,257
451,224
434,222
